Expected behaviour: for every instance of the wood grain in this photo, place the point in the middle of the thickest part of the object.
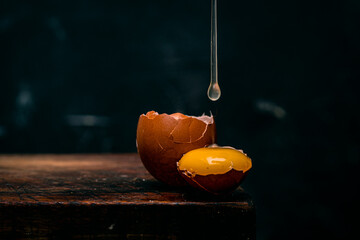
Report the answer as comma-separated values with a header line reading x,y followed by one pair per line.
x,y
109,197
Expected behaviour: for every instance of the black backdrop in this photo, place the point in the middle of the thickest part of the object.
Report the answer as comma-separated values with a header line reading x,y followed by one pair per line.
x,y
75,76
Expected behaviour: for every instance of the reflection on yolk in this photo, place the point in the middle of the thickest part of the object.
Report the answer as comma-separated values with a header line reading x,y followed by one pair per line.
x,y
214,160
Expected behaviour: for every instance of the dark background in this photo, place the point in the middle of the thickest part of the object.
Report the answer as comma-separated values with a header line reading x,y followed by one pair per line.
x,y
75,76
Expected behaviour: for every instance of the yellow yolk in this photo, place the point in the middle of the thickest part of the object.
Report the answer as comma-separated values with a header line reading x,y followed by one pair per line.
x,y
214,160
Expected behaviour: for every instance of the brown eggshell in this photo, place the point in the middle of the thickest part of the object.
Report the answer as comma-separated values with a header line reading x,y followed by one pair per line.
x,y
162,140
216,183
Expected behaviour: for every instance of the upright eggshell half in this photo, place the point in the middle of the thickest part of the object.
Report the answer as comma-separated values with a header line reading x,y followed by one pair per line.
x,y
162,140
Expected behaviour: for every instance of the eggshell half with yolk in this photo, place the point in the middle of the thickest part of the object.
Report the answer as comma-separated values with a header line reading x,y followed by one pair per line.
x,y
215,169
163,139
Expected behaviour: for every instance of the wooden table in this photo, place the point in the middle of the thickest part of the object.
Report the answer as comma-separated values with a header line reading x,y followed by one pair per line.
x,y
110,197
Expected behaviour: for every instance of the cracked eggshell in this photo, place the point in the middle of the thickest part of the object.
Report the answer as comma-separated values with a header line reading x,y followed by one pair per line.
x,y
216,184
162,140
214,169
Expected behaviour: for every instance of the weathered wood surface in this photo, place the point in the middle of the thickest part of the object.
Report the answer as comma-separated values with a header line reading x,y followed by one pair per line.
x,y
110,197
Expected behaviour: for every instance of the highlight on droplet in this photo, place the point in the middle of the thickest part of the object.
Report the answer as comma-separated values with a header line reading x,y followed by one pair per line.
x,y
214,92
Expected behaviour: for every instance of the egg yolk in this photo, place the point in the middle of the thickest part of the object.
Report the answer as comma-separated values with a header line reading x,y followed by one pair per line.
x,y
214,160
